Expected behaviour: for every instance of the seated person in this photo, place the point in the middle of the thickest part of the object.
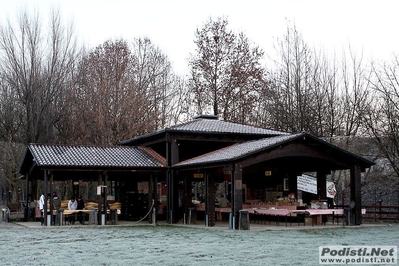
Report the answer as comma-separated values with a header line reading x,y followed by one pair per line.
x,y
223,202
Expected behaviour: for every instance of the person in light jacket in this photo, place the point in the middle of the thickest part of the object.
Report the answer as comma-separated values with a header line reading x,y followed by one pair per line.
x,y
72,205
41,207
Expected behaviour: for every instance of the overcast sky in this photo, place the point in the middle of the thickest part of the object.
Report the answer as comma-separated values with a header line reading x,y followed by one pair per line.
x,y
369,26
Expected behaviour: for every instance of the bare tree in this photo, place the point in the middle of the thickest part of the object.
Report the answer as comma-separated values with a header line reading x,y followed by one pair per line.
x,y
121,91
154,78
355,95
11,156
382,118
103,107
225,75
38,69
294,89
310,93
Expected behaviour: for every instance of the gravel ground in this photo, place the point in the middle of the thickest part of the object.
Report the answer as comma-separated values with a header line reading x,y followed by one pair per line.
x,y
173,245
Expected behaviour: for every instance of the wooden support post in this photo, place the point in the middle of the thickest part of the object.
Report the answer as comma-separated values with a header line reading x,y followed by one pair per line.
x,y
211,200
172,157
237,193
169,191
99,197
356,195
105,196
152,199
45,197
321,184
188,197
26,213
51,196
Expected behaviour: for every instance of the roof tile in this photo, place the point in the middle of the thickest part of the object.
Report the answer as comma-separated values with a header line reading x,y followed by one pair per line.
x,y
220,126
89,156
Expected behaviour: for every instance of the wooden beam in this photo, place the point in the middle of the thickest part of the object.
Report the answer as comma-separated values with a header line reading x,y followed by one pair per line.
x,y
27,197
99,197
211,199
321,184
45,198
105,207
356,195
51,195
237,193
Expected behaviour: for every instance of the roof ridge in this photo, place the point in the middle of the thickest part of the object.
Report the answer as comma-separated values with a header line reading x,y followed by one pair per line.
x,y
73,145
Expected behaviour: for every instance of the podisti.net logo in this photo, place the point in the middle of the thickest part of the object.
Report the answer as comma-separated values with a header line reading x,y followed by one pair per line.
x,y
382,255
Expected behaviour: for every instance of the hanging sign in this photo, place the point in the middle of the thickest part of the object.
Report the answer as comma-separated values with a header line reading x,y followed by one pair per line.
x,y
100,189
198,175
331,190
307,183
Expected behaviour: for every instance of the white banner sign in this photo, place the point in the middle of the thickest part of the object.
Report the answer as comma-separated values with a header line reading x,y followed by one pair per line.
x,y
331,191
307,183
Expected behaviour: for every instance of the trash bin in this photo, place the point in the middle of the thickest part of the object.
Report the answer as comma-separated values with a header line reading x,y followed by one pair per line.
x,y
114,216
49,217
4,215
244,220
349,214
93,216
58,219
191,215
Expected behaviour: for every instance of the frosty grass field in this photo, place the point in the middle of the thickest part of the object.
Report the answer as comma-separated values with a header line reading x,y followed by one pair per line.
x,y
172,245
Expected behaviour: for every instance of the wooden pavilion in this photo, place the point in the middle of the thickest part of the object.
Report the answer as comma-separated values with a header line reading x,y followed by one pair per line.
x,y
252,163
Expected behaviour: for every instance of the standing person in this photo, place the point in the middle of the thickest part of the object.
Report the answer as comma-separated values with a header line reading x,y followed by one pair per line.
x,y
81,206
41,207
72,205
56,206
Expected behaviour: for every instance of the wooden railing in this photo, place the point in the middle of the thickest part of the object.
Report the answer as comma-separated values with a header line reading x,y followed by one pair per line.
x,y
381,213
378,212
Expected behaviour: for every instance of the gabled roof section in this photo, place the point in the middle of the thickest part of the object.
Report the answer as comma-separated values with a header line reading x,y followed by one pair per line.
x,y
242,150
55,156
237,151
209,126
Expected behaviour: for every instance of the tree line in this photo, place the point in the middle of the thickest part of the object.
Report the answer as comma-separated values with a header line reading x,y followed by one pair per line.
x,y
55,90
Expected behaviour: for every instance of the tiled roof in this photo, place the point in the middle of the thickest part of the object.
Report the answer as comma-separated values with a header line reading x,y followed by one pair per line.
x,y
220,126
237,151
90,156
211,126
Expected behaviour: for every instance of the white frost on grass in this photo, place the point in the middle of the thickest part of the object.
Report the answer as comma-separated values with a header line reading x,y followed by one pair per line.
x,y
168,245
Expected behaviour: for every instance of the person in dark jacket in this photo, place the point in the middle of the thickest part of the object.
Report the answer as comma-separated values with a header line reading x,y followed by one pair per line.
x,y
81,206
56,206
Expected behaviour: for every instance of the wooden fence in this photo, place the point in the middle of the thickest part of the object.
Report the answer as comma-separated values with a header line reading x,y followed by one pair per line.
x,y
381,213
